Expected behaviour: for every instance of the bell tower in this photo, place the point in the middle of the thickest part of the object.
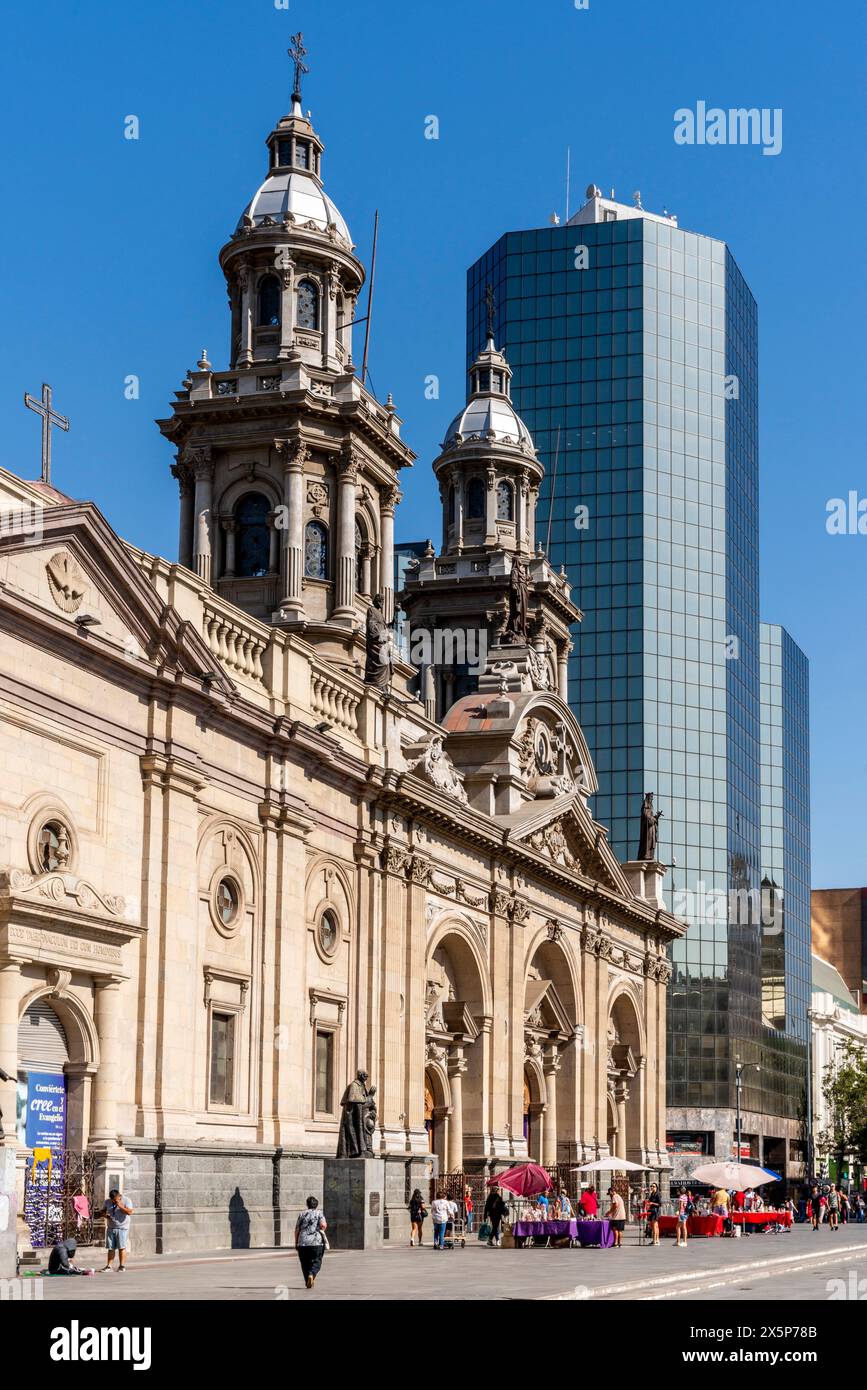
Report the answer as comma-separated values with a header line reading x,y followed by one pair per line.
x,y
490,592
287,466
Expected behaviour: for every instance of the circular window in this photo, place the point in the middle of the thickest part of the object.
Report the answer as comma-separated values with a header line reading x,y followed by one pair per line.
x,y
227,901
53,846
328,933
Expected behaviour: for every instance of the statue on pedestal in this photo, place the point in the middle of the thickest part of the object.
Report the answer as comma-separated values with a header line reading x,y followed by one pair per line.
x,y
358,1120
649,829
516,628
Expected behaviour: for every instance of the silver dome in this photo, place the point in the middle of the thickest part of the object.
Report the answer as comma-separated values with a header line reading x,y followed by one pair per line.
x,y
490,417
296,192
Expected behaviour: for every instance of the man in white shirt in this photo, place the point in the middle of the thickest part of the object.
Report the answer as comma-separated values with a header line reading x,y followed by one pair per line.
x,y
440,1210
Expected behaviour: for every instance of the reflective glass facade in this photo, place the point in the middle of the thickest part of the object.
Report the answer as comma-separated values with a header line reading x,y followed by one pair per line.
x,y
786,965
635,369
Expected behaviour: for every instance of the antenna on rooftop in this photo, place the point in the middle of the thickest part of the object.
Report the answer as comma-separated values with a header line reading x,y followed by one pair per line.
x,y
568,170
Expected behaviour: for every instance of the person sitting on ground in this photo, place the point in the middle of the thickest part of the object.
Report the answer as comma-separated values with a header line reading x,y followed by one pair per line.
x,y
60,1260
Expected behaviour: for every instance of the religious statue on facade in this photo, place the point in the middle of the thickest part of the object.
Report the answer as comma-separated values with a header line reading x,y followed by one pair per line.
x,y
516,629
358,1120
378,663
649,828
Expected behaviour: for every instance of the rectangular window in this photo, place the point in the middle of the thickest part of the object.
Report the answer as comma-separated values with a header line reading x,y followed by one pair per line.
x,y
222,1059
324,1062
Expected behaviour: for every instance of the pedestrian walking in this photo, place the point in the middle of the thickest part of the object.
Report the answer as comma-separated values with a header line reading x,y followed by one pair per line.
x,y
117,1212
616,1214
833,1208
654,1207
844,1206
683,1212
417,1214
440,1213
469,1209
816,1200
495,1210
311,1242
859,1209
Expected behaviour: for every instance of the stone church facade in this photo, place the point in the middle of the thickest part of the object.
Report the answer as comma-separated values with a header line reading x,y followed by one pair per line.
x,y
232,870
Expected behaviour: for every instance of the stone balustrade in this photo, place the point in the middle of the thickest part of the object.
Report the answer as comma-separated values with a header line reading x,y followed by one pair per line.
x,y
333,701
235,641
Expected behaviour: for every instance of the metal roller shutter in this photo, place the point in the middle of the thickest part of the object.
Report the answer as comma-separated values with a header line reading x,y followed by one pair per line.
x,y
42,1042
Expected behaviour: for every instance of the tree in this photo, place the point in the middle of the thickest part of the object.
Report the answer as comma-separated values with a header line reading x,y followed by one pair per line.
x,y
844,1087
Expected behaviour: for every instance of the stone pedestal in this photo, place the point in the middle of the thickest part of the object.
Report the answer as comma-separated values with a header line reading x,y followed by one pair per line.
x,y
645,879
354,1202
8,1213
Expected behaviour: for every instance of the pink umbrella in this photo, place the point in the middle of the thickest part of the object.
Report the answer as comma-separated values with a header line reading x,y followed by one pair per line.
x,y
525,1180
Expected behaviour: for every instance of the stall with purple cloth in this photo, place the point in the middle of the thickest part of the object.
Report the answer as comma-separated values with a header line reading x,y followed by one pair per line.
x,y
545,1230
595,1233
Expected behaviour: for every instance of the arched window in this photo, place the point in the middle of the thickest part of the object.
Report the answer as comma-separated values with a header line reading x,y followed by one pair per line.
x,y
505,502
307,305
475,499
451,505
315,551
269,302
253,540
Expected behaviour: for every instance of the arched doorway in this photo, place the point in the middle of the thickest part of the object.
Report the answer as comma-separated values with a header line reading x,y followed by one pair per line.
x,y
551,1066
626,1078
43,1056
534,1110
454,1008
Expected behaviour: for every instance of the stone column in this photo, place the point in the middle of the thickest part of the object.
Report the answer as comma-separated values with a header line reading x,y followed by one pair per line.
x,y
347,471
389,498
456,1066
295,454
203,506
245,347
621,1095
185,523
460,503
330,360
563,651
531,519
273,544
106,1081
491,508
230,526
285,266
551,1064
10,993
519,494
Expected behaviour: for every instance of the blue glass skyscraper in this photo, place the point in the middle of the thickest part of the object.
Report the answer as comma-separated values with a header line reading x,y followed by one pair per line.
x,y
634,349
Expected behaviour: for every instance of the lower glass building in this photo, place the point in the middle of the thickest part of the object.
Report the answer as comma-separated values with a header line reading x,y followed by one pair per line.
x,y
634,349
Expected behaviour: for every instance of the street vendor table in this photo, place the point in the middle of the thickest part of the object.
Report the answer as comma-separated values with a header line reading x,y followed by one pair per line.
x,y
595,1233
545,1230
695,1226
762,1218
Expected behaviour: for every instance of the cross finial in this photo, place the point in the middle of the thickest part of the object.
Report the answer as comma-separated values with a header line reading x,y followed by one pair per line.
x,y
491,308
49,418
297,52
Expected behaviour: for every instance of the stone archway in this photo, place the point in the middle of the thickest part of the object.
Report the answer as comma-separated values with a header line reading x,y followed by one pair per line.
x,y
550,1027
455,1007
626,1079
534,1108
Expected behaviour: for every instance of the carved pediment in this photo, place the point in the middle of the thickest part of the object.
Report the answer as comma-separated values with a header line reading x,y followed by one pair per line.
x,y
543,1009
61,890
459,1021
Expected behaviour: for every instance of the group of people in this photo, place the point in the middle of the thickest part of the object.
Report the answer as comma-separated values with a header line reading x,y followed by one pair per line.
x,y
830,1203
116,1214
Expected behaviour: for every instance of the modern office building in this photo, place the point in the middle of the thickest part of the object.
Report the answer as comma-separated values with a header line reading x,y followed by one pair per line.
x,y
634,349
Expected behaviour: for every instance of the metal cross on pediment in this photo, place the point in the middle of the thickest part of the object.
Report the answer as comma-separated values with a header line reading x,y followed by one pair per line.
x,y
297,52
49,418
490,305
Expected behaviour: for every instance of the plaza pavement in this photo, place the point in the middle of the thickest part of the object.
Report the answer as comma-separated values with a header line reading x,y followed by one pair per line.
x,y
796,1266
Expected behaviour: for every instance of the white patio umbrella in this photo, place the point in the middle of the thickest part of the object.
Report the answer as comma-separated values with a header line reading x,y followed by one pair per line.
x,y
613,1164
736,1175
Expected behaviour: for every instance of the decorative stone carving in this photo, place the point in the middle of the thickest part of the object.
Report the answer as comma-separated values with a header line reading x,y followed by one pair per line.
x,y
551,841
318,496
540,670
554,929
68,584
436,767
59,886
463,896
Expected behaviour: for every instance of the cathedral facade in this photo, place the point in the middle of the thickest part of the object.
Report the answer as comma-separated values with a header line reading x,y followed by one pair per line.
x,y
248,847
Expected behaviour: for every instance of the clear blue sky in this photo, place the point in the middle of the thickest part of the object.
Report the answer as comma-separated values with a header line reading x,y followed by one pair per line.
x,y
109,247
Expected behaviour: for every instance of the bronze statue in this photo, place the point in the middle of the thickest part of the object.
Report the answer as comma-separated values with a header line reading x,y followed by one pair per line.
x,y
378,659
518,589
358,1120
649,828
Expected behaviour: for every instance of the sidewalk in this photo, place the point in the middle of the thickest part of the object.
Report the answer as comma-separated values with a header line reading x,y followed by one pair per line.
x,y
474,1273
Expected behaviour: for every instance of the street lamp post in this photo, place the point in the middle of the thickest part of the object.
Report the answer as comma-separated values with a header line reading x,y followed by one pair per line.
x,y
740,1067
809,1173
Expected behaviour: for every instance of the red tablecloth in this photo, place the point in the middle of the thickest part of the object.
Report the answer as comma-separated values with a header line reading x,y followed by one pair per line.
x,y
762,1218
695,1226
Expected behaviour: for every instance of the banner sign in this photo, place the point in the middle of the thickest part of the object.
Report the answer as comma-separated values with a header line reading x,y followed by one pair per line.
x,y
46,1111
